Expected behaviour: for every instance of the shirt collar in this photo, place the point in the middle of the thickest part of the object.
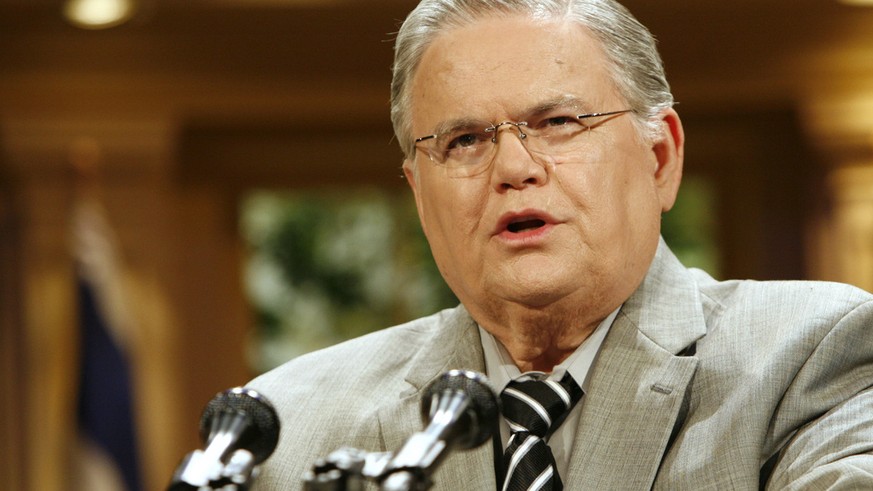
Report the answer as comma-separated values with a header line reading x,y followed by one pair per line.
x,y
500,368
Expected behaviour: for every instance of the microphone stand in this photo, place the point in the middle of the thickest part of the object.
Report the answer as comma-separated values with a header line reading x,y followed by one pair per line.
x,y
241,429
422,453
345,469
199,472
460,406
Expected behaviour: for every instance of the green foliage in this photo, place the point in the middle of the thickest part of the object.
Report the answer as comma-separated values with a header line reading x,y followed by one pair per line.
x,y
328,266
689,228
295,246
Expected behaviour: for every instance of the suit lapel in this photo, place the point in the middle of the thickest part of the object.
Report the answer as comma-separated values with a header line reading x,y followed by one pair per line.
x,y
455,344
638,382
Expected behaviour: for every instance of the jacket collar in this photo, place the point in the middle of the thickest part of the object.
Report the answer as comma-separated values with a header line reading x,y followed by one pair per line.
x,y
639,383
667,307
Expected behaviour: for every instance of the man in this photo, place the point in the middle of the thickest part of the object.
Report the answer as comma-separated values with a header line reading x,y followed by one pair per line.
x,y
542,148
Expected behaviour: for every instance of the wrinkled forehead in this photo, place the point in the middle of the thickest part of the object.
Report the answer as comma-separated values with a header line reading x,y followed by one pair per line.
x,y
498,67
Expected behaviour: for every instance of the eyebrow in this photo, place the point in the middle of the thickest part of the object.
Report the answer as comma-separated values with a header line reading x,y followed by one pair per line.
x,y
551,104
453,125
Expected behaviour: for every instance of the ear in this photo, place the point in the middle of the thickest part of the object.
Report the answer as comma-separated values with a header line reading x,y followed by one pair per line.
x,y
669,150
411,174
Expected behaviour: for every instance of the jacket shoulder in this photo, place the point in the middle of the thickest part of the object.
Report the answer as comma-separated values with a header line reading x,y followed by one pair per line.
x,y
376,358
792,299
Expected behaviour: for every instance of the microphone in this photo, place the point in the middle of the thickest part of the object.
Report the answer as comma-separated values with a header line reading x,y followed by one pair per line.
x,y
461,410
240,428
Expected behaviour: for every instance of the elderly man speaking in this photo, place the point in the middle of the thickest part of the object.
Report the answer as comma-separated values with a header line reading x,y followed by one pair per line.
x,y
542,148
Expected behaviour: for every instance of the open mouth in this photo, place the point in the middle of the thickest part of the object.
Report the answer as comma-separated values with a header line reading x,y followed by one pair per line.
x,y
524,225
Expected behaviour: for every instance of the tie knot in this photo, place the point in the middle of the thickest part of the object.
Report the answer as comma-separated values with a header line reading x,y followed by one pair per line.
x,y
539,406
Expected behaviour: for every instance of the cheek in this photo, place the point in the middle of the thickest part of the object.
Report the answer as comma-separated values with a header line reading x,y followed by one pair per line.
x,y
589,187
451,220
612,193
454,207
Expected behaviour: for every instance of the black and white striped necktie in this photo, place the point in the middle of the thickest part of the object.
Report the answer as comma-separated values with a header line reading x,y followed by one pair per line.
x,y
534,409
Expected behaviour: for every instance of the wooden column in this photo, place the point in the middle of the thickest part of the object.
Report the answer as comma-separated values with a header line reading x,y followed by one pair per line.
x,y
844,238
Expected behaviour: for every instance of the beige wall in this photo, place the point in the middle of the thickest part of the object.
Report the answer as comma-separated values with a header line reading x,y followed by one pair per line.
x,y
843,240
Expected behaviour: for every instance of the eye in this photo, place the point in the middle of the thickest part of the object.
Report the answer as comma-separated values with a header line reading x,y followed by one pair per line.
x,y
463,141
560,121
558,124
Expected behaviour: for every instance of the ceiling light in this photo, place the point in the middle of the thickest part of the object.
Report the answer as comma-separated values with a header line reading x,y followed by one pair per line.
x,y
98,14
858,3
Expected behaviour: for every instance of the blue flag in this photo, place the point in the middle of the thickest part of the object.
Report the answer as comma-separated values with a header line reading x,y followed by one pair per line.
x,y
105,409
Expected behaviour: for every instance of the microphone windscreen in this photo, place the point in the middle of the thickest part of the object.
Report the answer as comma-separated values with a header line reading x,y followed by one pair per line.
x,y
262,432
479,420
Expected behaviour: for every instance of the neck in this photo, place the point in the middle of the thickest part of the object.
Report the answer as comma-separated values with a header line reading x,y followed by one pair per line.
x,y
539,341
540,337
542,351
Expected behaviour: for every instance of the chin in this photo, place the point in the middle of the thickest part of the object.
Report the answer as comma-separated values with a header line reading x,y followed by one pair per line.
x,y
535,295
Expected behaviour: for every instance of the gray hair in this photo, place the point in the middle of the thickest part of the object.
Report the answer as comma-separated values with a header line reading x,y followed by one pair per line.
x,y
635,65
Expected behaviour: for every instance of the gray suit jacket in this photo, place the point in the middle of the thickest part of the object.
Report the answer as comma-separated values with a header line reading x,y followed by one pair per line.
x,y
699,385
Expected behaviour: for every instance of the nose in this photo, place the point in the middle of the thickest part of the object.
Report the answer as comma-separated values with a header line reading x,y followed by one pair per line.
x,y
514,167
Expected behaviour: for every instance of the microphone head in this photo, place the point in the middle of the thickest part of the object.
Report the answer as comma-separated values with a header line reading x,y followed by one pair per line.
x,y
479,420
261,428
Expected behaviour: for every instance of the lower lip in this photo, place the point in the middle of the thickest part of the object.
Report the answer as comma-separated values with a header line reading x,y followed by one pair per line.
x,y
526,237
